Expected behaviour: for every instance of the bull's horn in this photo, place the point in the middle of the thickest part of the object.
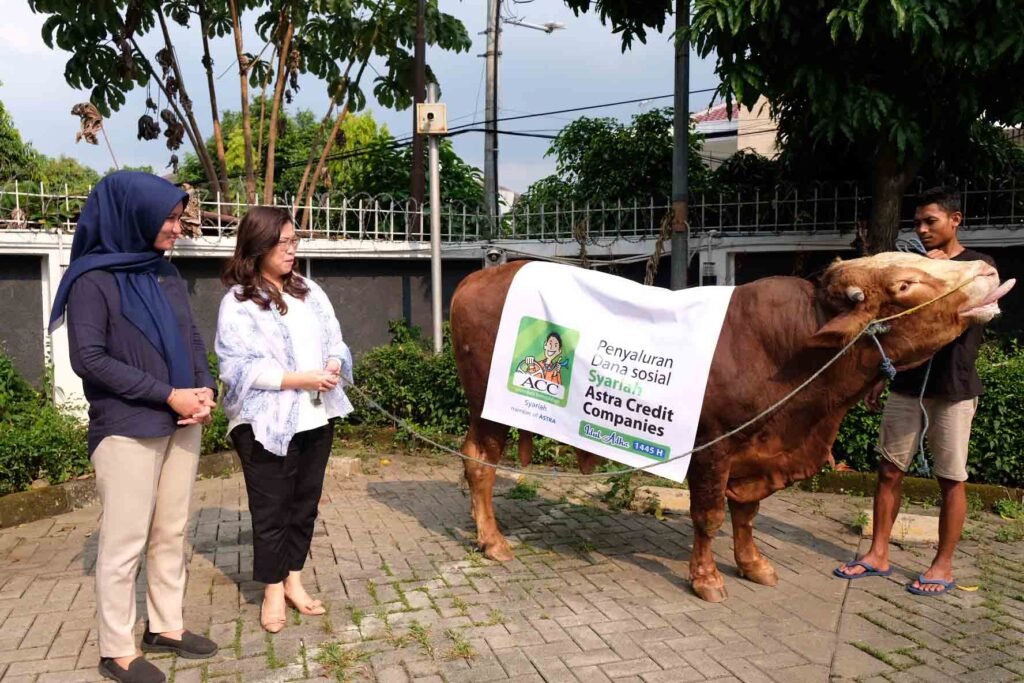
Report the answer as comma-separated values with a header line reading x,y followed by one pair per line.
x,y
855,294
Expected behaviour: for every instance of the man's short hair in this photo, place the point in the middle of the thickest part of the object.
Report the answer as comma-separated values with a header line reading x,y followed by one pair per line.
x,y
948,198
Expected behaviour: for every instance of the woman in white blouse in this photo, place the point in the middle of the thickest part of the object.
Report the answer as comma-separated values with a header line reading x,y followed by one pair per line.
x,y
281,358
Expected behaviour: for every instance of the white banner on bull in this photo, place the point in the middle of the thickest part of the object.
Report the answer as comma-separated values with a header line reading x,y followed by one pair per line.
x,y
606,364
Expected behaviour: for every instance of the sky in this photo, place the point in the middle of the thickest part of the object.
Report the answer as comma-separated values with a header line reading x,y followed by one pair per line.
x,y
578,66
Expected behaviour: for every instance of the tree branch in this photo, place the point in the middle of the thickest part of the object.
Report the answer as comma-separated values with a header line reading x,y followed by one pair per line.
x,y
218,134
204,158
329,142
275,107
186,105
243,75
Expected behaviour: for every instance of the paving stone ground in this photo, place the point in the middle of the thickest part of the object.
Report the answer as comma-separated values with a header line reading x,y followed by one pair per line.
x,y
593,595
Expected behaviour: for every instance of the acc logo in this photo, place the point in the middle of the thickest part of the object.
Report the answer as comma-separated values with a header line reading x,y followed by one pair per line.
x,y
542,360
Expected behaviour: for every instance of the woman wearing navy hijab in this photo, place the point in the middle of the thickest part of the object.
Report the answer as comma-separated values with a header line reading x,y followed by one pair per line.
x,y
144,370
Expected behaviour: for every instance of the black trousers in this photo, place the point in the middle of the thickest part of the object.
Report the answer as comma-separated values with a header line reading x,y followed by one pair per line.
x,y
284,493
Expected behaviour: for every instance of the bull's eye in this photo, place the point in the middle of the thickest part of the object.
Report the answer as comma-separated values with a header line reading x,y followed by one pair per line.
x,y
904,286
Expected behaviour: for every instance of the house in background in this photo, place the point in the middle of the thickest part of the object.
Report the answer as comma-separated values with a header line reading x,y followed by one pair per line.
x,y
748,129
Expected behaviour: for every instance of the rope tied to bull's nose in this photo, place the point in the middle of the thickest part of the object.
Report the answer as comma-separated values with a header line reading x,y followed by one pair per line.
x,y
886,365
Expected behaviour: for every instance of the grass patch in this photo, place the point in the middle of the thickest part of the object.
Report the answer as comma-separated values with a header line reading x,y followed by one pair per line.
x,y
236,644
1010,510
357,616
460,648
860,522
460,604
305,661
886,657
975,506
272,661
1011,533
339,662
402,597
585,546
525,489
326,624
421,634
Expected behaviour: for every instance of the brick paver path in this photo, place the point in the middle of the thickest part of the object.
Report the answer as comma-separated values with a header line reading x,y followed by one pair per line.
x,y
592,596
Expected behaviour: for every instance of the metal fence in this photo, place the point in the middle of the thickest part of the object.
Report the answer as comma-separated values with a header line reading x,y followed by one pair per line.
x,y
835,209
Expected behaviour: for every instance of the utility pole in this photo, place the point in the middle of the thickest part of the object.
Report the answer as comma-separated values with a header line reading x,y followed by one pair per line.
x,y
419,95
491,114
681,150
432,119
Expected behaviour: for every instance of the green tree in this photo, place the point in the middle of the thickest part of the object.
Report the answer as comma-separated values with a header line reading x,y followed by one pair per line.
x,y
17,159
368,159
332,41
605,160
887,87
892,82
56,173
145,168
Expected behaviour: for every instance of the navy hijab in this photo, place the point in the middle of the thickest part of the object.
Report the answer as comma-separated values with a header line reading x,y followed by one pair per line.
x,y
116,231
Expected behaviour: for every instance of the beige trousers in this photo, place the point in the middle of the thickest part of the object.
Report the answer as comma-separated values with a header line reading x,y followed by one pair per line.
x,y
948,437
145,486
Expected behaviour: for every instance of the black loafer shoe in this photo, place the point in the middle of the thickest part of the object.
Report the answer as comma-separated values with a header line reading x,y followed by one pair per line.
x,y
190,646
139,671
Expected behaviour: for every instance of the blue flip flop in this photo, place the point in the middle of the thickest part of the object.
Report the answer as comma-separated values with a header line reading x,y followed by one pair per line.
x,y
868,571
946,586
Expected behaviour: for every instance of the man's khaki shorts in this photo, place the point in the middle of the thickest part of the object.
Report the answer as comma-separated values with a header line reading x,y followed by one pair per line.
x,y
949,432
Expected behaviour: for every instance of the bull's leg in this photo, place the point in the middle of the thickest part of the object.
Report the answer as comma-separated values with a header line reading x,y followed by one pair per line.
x,y
750,564
707,510
586,460
485,442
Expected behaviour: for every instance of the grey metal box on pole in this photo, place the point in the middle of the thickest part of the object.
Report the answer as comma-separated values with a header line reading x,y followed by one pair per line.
x,y
432,120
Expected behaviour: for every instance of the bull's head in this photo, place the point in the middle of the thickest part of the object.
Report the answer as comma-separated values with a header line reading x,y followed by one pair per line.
x,y
951,294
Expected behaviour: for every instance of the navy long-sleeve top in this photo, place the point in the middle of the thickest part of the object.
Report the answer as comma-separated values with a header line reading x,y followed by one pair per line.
x,y
125,377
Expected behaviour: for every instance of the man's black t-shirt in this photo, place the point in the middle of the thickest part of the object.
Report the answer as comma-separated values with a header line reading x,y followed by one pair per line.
x,y
953,376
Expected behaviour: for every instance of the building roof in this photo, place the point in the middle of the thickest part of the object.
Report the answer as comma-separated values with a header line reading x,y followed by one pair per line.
x,y
719,112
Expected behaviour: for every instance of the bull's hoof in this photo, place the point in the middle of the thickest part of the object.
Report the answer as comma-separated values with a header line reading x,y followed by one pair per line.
x,y
710,589
761,572
499,551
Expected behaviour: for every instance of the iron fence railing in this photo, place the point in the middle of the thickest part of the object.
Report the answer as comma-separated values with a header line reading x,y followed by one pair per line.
x,y
832,209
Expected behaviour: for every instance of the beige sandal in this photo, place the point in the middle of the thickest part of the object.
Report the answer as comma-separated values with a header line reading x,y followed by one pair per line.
x,y
274,626
313,609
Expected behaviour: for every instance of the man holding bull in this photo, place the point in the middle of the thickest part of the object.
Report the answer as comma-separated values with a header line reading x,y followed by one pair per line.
x,y
950,398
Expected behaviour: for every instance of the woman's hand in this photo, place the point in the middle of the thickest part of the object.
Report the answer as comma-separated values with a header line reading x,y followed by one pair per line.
x,y
312,380
194,406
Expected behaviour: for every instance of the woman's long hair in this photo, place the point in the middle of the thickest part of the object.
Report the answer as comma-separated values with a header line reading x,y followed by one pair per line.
x,y
258,235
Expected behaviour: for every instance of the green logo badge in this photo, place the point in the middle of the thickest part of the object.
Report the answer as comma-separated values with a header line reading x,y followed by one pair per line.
x,y
542,361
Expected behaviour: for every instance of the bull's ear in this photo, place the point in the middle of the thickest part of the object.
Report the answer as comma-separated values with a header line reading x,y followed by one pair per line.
x,y
838,331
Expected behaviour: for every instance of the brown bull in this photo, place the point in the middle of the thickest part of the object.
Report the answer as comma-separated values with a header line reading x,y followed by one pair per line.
x,y
778,331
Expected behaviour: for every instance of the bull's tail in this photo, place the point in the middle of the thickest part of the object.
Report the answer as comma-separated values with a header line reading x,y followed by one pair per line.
x,y
525,448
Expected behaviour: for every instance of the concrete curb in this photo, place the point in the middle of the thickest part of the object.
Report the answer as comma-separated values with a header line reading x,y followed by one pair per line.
x,y
913,487
30,506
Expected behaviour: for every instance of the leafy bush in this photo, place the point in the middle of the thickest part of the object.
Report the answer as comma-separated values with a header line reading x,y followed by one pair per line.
x,y
411,382
996,453
37,440
15,392
215,434
41,443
